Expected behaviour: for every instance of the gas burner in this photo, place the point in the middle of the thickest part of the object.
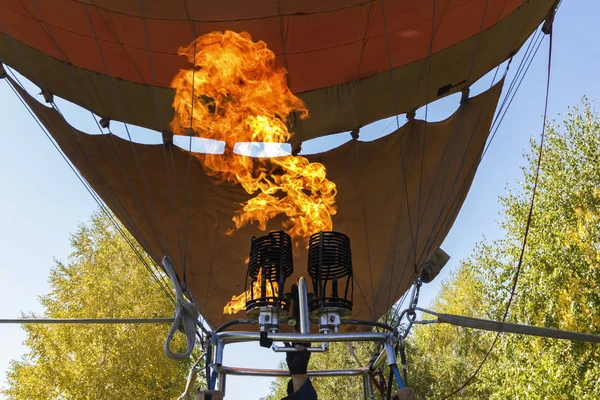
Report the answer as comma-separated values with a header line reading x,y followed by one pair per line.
x,y
330,268
270,265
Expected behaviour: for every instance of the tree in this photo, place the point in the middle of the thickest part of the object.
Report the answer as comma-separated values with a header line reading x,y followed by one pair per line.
x,y
560,283
441,357
103,278
558,286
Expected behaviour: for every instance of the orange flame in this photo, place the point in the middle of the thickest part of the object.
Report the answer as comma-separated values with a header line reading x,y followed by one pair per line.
x,y
236,93
238,303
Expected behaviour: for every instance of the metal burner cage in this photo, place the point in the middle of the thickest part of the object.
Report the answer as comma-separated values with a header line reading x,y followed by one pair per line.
x,y
270,261
330,268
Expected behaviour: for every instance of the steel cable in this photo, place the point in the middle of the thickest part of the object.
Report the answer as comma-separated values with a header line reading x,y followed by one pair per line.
x,y
526,232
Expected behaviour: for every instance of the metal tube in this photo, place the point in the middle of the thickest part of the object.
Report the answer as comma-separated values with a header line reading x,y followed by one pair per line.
x,y
234,337
390,353
87,321
218,351
368,387
212,377
379,360
391,358
284,373
285,349
222,381
303,305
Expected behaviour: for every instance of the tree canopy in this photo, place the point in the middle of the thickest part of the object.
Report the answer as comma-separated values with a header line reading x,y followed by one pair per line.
x,y
103,278
557,288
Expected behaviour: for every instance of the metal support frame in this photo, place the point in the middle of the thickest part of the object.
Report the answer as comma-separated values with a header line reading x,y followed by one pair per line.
x,y
221,339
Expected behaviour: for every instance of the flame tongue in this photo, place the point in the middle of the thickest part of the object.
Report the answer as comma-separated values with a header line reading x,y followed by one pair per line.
x,y
236,93
238,303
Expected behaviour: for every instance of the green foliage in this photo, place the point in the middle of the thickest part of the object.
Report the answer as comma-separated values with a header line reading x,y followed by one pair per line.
x,y
103,278
442,356
558,286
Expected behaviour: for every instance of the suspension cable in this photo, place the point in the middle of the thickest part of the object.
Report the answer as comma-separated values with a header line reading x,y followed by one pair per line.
x,y
503,109
55,106
100,203
527,227
455,131
165,145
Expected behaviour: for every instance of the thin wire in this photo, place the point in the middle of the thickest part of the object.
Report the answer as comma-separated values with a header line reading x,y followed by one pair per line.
x,y
115,157
499,118
424,133
189,166
101,205
69,127
457,123
121,207
413,241
221,21
188,189
55,106
216,229
182,255
527,227
452,141
213,253
170,185
528,52
432,238
395,102
289,14
424,140
370,304
365,227
528,61
118,102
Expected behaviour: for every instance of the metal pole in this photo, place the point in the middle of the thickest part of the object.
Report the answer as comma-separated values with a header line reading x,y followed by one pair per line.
x,y
283,373
379,360
284,349
390,352
391,357
368,387
219,376
380,337
303,305
87,321
509,327
222,381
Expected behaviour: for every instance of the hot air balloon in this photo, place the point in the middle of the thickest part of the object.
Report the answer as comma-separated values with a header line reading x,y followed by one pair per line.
x,y
284,72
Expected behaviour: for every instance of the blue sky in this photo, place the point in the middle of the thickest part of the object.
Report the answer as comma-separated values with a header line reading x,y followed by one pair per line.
x,y
42,201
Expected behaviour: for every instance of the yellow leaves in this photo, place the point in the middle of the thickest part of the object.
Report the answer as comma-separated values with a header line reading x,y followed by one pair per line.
x,y
99,361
